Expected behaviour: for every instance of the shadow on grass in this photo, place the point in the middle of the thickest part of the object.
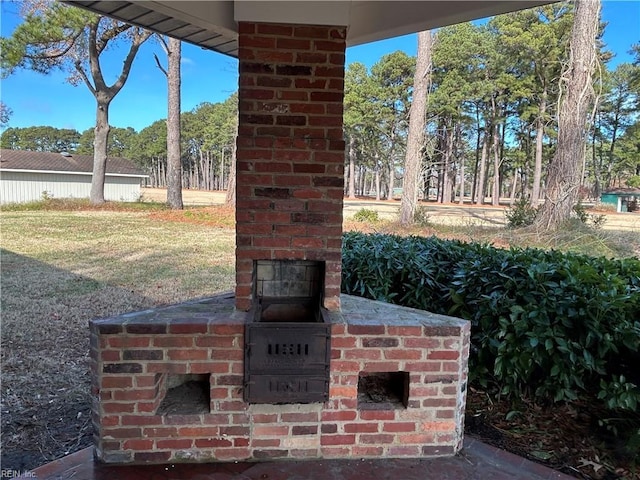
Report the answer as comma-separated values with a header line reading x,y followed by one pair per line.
x,y
45,357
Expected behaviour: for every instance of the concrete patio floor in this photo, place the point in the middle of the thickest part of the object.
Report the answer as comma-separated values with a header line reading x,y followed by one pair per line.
x,y
477,461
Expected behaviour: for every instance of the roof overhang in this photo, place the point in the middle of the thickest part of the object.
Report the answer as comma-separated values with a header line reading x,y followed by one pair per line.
x,y
213,24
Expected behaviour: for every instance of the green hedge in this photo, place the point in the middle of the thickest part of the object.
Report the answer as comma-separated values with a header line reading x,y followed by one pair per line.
x,y
545,324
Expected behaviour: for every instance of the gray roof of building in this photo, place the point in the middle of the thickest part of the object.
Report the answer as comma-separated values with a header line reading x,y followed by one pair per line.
x,y
622,191
49,161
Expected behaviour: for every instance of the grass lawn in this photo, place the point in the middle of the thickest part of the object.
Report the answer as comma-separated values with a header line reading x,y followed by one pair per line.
x,y
62,268
64,265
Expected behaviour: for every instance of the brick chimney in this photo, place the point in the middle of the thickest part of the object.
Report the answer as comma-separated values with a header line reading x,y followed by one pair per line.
x,y
290,151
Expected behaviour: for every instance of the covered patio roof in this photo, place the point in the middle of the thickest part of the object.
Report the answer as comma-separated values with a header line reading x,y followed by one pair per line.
x,y
213,24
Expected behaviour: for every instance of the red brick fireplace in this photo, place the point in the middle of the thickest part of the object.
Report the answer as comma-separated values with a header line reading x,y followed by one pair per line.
x,y
398,387
169,384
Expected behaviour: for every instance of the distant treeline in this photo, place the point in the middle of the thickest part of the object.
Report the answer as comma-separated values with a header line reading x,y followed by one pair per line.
x,y
208,134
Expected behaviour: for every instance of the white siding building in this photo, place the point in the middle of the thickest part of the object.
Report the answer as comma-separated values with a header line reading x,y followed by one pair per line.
x,y
27,176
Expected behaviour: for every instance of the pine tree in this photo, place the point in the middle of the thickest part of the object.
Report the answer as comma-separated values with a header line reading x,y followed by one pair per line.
x,y
565,171
417,123
57,36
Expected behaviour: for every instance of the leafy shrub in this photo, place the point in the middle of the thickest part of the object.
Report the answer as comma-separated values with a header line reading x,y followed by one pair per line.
x,y
581,212
522,214
393,269
545,324
597,221
421,216
618,394
624,427
366,215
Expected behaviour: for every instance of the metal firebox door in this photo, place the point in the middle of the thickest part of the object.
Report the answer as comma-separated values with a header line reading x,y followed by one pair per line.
x,y
287,363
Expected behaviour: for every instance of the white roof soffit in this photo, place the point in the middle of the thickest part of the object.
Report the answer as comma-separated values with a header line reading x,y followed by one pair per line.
x,y
206,23
212,24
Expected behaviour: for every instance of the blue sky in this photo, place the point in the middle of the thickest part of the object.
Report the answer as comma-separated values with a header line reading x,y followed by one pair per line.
x,y
206,77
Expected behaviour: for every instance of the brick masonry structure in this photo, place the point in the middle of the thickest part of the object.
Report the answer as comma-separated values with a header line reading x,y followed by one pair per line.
x,y
398,387
290,151
179,383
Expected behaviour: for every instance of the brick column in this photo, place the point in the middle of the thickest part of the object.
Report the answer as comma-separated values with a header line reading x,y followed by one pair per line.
x,y
290,150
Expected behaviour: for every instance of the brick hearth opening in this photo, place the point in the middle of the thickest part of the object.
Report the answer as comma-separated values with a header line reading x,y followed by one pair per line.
x,y
398,387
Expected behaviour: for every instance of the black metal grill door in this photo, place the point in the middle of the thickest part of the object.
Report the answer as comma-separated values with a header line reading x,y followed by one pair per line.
x,y
287,363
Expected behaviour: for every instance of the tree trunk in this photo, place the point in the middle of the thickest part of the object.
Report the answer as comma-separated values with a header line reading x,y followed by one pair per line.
x,y
564,176
392,176
597,189
495,136
206,170
174,157
377,178
417,121
495,200
461,199
474,184
458,135
100,143
230,198
195,169
221,186
103,95
537,169
483,171
352,167
364,171
514,187
524,175
614,137
391,170
448,167
440,184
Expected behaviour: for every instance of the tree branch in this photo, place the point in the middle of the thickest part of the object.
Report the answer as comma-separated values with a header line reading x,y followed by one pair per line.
x,y
163,42
78,66
94,63
57,54
110,34
138,40
166,74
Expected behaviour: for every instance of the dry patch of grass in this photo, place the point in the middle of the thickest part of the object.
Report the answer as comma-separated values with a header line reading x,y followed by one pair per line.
x,y
214,216
576,237
163,260
81,204
59,270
